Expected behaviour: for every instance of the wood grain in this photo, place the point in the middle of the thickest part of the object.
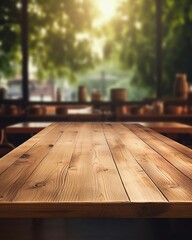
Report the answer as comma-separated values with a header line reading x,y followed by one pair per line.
x,y
92,175
12,156
173,184
137,183
96,170
13,178
179,147
176,158
44,185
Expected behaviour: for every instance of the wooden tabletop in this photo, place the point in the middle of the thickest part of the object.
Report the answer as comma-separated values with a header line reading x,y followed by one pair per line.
x,y
97,170
27,127
161,127
168,127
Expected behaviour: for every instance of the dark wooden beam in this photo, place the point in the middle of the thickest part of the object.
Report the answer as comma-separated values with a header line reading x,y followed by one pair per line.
x,y
159,48
24,42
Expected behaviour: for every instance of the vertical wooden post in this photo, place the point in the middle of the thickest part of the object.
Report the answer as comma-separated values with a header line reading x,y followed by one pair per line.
x,y
159,48
24,43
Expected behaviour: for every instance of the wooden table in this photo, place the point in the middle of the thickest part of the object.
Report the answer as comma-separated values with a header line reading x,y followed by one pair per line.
x,y
161,127
168,127
26,127
97,170
178,131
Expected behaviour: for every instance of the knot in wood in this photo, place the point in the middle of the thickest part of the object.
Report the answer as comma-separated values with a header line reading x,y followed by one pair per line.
x,y
25,155
36,185
72,168
102,169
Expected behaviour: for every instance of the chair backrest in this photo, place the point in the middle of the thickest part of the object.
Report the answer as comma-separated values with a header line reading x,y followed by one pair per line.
x,y
5,146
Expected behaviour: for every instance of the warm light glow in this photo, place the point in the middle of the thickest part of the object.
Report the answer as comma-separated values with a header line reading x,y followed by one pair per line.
x,y
107,9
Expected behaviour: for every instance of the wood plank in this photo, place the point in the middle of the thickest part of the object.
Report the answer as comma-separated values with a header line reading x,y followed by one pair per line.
x,y
49,185
175,186
13,178
11,157
179,147
92,175
43,186
176,158
139,186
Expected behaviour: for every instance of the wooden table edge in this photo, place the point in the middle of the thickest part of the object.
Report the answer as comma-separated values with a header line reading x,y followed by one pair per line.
x,y
96,210
13,129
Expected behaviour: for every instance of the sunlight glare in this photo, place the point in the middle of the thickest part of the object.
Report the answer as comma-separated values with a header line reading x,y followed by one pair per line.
x,y
107,9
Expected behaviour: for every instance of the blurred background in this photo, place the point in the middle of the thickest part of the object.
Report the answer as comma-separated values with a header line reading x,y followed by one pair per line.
x,y
102,44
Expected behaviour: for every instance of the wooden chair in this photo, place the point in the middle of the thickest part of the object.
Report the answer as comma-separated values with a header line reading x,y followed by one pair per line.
x,y
5,146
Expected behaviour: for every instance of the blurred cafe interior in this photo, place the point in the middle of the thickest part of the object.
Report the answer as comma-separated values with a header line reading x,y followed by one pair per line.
x,y
104,67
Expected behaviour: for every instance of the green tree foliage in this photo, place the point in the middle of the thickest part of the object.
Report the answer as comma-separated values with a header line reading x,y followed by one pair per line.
x,y
177,40
135,34
135,30
10,18
59,35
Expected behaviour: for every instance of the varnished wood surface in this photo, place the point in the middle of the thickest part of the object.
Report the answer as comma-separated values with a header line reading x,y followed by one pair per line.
x,y
168,127
161,127
27,127
97,170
